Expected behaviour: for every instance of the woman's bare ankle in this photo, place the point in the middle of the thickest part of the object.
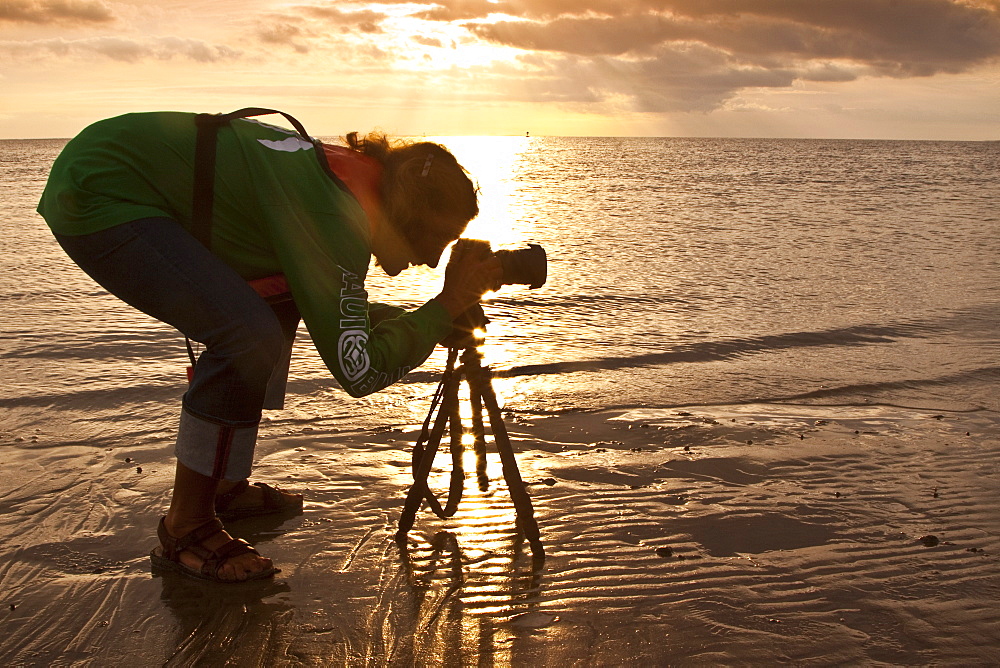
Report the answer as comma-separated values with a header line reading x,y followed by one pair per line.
x,y
179,526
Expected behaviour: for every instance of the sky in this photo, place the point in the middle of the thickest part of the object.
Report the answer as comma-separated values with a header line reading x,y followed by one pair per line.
x,y
879,69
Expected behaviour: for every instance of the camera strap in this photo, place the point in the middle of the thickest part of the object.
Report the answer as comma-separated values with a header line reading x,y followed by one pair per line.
x,y
272,289
203,197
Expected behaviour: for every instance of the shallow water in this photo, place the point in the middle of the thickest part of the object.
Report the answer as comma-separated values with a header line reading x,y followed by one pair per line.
x,y
681,271
791,338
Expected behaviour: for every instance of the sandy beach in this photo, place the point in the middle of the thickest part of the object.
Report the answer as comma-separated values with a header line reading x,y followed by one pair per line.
x,y
738,535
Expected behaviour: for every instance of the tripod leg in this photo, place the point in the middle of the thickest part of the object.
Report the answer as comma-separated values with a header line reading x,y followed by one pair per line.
x,y
479,436
518,493
419,490
456,488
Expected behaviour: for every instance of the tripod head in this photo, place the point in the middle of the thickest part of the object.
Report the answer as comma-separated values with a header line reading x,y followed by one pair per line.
x,y
468,329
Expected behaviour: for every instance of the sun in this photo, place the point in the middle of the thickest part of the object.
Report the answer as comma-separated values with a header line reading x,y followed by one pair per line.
x,y
418,43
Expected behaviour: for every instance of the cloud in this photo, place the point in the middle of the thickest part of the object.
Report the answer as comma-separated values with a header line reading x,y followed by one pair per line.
x,y
918,37
689,78
911,38
285,34
365,21
305,27
583,36
54,11
428,41
457,10
673,55
121,49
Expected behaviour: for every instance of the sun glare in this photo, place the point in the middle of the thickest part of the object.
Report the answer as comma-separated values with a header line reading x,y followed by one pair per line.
x,y
493,163
438,45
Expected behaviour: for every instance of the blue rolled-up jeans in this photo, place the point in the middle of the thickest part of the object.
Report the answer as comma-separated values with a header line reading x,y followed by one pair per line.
x,y
156,266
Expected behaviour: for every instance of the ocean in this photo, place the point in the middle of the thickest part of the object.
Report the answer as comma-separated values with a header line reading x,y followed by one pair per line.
x,y
681,272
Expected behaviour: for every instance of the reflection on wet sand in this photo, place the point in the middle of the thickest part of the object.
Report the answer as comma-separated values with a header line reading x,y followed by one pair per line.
x,y
462,597
220,625
752,534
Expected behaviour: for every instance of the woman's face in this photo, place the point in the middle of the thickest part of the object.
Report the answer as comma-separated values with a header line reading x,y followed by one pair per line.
x,y
394,253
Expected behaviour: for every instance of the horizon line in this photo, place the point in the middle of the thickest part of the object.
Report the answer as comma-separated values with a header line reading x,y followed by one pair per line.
x,y
540,136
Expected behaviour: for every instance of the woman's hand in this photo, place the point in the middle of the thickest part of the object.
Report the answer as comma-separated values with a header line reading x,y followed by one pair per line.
x,y
473,270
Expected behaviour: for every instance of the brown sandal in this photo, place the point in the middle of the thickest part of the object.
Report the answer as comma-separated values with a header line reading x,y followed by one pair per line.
x,y
167,557
274,502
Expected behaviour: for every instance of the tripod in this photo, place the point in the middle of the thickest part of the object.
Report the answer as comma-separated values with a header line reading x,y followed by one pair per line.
x,y
464,342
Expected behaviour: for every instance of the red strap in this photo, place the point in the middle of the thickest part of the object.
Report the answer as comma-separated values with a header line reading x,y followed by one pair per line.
x,y
272,288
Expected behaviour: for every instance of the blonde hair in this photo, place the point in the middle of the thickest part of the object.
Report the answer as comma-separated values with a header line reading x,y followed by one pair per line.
x,y
421,182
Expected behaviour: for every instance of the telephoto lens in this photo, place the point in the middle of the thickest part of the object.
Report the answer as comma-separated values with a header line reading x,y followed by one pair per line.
x,y
524,266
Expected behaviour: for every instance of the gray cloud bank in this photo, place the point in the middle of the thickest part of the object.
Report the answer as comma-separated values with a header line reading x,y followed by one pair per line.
x,y
690,55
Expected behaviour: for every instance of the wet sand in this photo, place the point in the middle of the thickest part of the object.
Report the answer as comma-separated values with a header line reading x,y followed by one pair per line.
x,y
738,535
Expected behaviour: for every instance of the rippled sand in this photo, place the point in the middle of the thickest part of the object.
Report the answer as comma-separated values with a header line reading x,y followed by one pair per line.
x,y
728,534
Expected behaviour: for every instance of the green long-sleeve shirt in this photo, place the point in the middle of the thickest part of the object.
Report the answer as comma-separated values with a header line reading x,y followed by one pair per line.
x,y
275,211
